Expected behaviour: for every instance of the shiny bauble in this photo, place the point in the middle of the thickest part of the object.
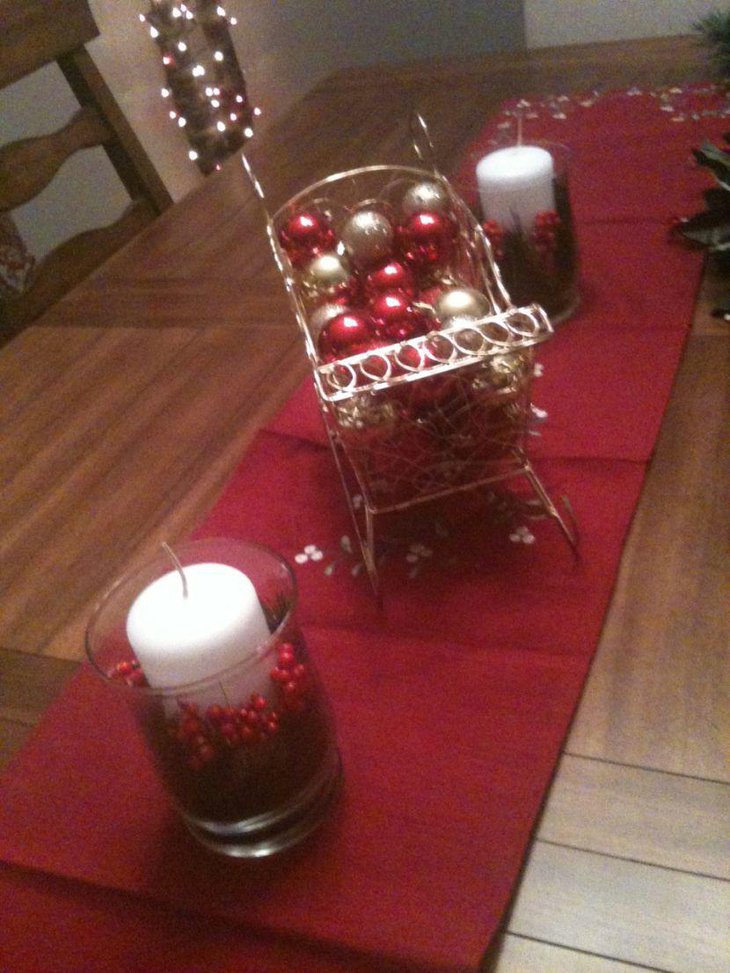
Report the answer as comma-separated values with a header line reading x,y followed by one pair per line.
x,y
321,315
304,235
328,278
395,318
348,333
365,418
427,241
505,372
430,294
391,276
426,197
368,237
462,303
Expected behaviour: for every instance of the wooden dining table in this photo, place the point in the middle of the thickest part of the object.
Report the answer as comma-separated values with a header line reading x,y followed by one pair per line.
x,y
126,407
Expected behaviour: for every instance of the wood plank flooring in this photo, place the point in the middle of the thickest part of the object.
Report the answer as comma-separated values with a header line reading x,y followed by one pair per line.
x,y
630,869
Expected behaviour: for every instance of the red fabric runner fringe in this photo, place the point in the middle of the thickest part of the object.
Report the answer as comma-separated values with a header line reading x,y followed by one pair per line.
x,y
452,702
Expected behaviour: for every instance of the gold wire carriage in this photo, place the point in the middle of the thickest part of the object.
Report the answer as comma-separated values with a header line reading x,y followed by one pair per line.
x,y
437,414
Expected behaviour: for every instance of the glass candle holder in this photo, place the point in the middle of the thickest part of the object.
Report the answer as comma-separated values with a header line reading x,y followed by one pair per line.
x,y
520,195
207,652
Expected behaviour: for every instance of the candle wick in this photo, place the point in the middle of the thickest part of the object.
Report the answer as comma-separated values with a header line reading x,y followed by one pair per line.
x,y
176,561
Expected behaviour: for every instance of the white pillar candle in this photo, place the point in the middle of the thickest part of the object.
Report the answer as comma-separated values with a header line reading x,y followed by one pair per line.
x,y
180,639
515,184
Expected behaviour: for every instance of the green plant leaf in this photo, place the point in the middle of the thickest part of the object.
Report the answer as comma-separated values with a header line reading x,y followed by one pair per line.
x,y
716,160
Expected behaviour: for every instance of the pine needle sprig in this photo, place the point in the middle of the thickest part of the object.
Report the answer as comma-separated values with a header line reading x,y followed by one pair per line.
x,y
714,30
711,227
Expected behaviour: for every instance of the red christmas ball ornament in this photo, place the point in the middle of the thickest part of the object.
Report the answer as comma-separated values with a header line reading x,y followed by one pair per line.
x,y
345,334
305,234
395,318
392,276
429,295
324,313
427,241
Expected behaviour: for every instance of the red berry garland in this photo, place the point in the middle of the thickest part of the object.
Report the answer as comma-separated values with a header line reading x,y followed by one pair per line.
x,y
130,672
494,232
204,735
544,232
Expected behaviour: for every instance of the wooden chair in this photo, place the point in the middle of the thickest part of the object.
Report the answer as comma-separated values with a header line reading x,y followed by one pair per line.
x,y
34,33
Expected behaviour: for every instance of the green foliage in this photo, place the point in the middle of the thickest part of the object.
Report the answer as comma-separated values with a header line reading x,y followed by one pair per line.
x,y
711,227
714,30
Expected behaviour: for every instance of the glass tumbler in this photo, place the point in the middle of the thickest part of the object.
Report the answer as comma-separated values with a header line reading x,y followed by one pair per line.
x,y
520,195
204,644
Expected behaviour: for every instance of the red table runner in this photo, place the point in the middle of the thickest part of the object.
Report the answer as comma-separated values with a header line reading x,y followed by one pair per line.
x,y
452,701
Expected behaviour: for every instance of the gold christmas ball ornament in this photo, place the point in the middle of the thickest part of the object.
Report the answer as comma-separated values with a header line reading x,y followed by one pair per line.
x,y
368,237
462,303
425,197
329,276
504,371
364,417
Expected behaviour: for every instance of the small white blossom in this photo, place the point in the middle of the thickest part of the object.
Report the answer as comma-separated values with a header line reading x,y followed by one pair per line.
x,y
418,552
310,553
522,535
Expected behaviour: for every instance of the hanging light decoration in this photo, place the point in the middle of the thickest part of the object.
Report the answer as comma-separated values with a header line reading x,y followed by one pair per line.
x,y
203,80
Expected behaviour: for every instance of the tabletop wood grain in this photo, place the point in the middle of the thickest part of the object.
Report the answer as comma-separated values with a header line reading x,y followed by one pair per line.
x,y
127,406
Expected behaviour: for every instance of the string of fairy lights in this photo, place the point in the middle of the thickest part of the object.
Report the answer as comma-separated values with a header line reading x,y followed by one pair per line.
x,y
204,83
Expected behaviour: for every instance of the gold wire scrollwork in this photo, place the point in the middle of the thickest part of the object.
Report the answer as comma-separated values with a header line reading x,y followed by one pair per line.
x,y
437,414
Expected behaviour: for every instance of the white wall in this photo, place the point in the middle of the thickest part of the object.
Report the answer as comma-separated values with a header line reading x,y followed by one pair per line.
x,y
554,22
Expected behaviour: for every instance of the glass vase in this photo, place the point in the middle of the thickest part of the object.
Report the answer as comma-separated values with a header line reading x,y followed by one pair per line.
x,y
246,751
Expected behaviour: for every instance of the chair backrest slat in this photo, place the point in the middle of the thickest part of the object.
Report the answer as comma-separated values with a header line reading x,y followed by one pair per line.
x,y
28,166
34,33
37,32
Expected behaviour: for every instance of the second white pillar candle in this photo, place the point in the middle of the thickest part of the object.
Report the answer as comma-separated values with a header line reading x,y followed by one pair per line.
x,y
515,184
